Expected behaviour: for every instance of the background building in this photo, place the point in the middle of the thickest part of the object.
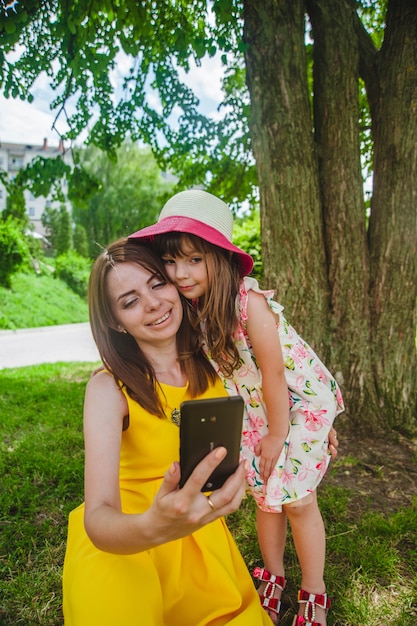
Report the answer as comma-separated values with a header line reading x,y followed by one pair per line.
x,y
14,156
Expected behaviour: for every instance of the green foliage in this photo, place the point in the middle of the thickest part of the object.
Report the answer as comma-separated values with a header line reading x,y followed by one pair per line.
x,y
82,49
43,177
80,242
14,251
247,235
79,46
57,223
74,270
129,193
15,201
64,239
39,300
373,18
81,185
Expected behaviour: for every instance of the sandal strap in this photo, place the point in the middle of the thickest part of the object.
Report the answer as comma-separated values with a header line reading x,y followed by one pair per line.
x,y
272,583
260,573
300,621
311,600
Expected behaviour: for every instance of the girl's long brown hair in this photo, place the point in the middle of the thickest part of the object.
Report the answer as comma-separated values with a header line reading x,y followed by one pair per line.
x,y
217,312
119,352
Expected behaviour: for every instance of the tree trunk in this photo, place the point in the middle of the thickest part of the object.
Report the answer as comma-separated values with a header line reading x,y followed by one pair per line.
x,y
336,114
312,210
282,140
393,221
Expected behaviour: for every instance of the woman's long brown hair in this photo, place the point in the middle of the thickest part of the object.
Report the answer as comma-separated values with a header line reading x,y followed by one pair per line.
x,y
217,310
119,351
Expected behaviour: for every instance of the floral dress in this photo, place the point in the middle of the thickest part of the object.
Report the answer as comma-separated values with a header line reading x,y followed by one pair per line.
x,y
314,401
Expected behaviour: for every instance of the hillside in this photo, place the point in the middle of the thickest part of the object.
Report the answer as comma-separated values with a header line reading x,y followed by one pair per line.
x,y
39,301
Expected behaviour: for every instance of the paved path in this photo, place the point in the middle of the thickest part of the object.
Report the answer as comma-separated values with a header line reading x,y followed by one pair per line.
x,y
49,344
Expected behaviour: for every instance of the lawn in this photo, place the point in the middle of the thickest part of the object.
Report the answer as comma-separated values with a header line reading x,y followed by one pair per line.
x,y
39,301
372,552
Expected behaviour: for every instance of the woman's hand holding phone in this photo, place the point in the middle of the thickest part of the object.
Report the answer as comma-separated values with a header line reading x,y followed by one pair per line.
x,y
176,512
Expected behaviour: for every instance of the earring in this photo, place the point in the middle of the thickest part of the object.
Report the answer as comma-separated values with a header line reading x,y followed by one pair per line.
x,y
122,330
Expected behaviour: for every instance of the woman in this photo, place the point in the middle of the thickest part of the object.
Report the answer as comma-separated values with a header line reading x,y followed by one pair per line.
x,y
141,550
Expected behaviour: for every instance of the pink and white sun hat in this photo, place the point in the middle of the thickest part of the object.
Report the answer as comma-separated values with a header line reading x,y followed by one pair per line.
x,y
198,212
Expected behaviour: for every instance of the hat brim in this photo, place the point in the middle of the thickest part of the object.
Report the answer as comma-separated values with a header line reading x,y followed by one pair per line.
x,y
192,226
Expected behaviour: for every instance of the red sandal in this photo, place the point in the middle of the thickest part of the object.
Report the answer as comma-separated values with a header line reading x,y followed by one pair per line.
x,y
273,582
311,600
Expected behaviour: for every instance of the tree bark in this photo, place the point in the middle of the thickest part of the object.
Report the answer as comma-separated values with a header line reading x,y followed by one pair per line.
x,y
350,290
282,140
393,221
312,210
336,114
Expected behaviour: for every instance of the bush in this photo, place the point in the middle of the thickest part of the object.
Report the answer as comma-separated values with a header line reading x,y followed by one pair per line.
x,y
14,251
74,270
247,235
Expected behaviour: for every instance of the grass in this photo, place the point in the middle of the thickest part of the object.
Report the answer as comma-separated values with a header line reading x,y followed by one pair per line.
x,y
39,301
372,559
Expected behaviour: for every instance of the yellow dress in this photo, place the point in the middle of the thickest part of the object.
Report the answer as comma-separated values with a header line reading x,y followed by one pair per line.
x,y
200,580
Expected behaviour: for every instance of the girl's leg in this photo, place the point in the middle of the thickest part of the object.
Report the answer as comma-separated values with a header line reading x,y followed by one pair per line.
x,y
272,535
310,543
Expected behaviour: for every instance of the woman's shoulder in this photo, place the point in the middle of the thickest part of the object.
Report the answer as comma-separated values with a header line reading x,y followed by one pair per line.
x,y
103,382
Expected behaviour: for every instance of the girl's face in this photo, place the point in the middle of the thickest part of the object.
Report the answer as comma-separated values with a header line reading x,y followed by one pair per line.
x,y
144,304
188,271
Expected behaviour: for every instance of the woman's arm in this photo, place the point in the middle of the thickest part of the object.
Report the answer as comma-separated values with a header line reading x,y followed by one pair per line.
x,y
262,332
174,512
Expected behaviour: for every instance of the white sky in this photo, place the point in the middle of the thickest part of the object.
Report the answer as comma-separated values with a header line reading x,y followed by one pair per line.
x,y
21,122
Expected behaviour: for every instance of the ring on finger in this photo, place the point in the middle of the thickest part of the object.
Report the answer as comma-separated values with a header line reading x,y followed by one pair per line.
x,y
210,503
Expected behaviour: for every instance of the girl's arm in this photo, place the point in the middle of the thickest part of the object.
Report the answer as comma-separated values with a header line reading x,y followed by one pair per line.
x,y
262,332
174,512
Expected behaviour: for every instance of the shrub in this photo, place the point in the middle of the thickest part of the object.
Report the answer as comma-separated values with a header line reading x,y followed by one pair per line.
x,y
247,235
14,251
74,270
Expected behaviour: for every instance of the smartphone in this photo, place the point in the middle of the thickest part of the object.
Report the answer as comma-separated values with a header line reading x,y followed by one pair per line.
x,y
205,425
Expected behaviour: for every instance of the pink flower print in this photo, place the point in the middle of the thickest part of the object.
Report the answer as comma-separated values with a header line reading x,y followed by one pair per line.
x,y
299,384
339,398
259,499
250,439
256,422
299,353
322,466
321,374
287,477
276,494
288,329
304,472
314,420
250,476
247,370
290,448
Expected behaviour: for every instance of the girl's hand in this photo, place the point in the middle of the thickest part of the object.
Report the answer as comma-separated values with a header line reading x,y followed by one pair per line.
x,y
176,513
269,448
333,443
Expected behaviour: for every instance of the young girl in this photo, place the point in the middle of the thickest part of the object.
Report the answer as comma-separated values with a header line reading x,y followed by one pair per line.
x,y
291,398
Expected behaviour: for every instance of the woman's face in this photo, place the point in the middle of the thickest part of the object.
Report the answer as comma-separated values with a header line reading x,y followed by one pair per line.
x,y
144,304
